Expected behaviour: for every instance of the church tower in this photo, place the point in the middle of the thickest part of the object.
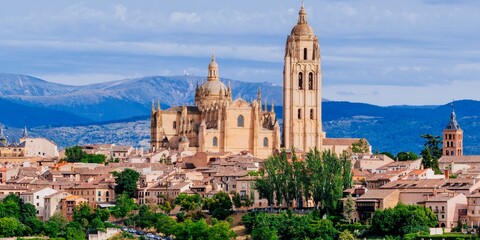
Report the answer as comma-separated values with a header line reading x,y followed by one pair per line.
x,y
302,88
453,137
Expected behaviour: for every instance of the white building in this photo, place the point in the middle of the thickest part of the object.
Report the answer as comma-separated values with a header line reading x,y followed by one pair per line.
x,y
36,197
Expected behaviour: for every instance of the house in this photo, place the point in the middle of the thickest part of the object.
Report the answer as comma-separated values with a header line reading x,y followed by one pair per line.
x,y
447,207
37,198
376,199
53,204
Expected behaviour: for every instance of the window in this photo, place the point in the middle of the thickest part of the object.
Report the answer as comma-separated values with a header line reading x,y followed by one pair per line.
x,y
99,199
299,113
310,81
311,113
38,197
300,81
240,121
305,54
452,153
99,193
106,194
174,125
265,142
215,141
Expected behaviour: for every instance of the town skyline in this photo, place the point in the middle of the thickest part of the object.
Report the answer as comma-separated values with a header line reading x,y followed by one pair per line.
x,y
373,52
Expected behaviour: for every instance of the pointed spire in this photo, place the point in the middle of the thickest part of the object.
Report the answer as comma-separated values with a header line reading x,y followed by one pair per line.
x,y
272,109
153,105
265,106
25,133
302,15
259,95
213,56
159,108
453,124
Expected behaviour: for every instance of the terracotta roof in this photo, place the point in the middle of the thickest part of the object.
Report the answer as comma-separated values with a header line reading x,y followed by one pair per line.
x,y
415,183
460,159
340,141
377,194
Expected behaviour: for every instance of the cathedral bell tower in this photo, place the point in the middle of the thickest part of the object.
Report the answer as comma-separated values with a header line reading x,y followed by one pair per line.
x,y
453,137
302,88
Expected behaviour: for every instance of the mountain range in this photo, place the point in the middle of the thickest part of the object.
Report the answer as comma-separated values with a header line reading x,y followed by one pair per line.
x,y
118,112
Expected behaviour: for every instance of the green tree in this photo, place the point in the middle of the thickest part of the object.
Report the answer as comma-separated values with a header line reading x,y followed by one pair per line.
x,y
27,211
360,146
124,204
93,158
96,225
348,209
83,211
220,205
103,214
346,235
9,226
74,154
403,219
74,231
189,202
126,182
433,143
429,161
406,156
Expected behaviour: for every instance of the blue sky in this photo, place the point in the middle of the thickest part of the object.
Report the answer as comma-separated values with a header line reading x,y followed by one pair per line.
x,y
385,52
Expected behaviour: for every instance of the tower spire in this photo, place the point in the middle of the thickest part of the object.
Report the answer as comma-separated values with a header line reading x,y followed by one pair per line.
x,y
158,106
259,95
302,15
153,106
272,109
25,133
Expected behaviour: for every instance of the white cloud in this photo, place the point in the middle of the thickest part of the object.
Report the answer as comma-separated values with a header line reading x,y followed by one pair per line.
x,y
120,12
184,17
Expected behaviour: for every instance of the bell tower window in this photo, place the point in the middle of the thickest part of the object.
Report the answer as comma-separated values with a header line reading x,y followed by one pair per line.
x,y
305,54
174,125
240,121
300,81
311,114
310,81
215,141
299,113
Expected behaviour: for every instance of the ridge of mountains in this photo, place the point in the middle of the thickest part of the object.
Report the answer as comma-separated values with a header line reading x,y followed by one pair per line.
x,y
118,112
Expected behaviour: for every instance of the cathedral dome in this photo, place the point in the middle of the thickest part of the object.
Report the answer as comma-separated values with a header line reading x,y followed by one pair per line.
x,y
302,27
214,88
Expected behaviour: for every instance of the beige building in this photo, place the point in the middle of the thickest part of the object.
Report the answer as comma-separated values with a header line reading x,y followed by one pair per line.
x,y
376,199
216,123
37,198
447,207
302,88
53,204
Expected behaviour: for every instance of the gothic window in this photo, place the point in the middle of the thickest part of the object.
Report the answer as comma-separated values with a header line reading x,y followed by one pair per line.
x,y
240,121
300,81
311,113
452,153
310,81
447,153
299,113
305,54
265,142
174,125
215,141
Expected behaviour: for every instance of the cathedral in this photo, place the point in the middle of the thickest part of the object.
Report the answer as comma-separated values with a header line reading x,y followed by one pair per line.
x,y
216,123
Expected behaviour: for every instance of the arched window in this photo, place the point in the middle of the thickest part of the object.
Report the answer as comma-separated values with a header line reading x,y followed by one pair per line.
x,y
311,113
310,81
299,113
106,194
305,54
240,121
265,142
300,81
452,153
174,125
447,153
215,141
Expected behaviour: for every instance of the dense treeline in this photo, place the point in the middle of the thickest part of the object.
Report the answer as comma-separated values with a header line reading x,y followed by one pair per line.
x,y
76,154
320,176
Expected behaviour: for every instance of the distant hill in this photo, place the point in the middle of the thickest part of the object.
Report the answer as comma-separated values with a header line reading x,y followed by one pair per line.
x,y
116,100
118,112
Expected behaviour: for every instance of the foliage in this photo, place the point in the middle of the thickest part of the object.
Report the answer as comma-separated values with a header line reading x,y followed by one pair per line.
x,y
220,205
242,201
124,204
102,214
403,219
96,225
346,235
188,202
360,146
406,156
348,209
9,226
432,152
288,226
321,176
126,182
76,154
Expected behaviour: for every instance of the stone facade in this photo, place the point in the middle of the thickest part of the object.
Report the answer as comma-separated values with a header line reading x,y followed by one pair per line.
x,y
216,123
302,88
453,137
